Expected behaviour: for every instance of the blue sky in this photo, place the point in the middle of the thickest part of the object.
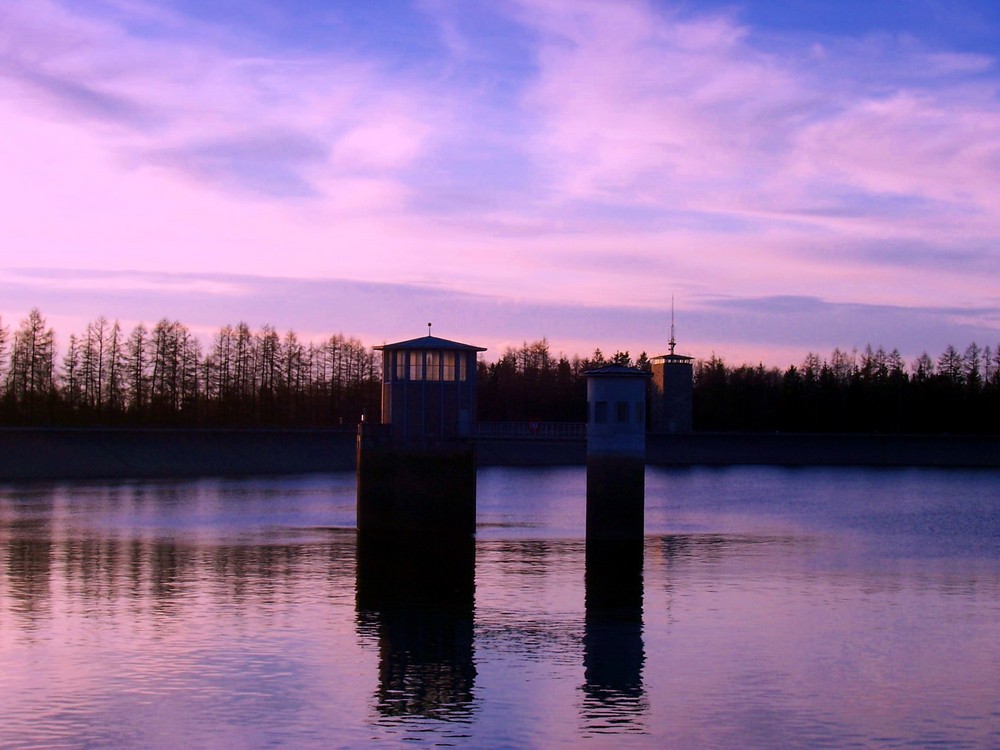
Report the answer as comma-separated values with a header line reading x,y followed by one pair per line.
x,y
798,175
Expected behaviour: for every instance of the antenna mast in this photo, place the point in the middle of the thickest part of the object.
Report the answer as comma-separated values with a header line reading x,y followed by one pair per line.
x,y
673,341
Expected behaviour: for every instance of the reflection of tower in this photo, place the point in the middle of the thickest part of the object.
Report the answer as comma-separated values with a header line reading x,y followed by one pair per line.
x,y
613,650
417,599
671,397
28,554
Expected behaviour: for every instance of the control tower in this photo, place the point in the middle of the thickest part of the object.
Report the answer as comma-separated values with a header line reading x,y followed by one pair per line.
x,y
417,469
671,403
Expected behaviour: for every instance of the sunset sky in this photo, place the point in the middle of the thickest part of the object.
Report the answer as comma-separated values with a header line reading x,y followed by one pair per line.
x,y
799,175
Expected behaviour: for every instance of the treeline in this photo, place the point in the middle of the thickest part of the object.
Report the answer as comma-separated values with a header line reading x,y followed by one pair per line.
x,y
869,391
160,376
529,383
873,391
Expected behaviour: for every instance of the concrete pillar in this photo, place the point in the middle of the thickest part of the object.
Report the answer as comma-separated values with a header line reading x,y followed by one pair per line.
x,y
413,488
616,454
417,469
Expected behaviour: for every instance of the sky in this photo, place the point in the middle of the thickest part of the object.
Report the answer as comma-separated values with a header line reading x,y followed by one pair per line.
x,y
796,176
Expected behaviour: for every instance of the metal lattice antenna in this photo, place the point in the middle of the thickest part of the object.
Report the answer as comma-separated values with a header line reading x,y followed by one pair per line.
x,y
673,340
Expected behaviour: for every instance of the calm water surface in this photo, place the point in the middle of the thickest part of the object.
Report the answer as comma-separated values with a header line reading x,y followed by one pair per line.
x,y
775,608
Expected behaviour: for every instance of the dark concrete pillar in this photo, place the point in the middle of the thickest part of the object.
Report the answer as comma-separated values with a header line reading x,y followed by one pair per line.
x,y
616,454
616,487
415,488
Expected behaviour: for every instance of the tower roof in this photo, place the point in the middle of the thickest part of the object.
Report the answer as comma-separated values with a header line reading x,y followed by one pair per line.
x,y
430,342
672,358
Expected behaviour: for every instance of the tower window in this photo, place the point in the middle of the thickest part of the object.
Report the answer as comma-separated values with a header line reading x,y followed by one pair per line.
x,y
448,366
600,412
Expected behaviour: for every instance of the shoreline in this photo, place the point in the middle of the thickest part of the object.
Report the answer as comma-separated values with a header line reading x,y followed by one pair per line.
x,y
60,454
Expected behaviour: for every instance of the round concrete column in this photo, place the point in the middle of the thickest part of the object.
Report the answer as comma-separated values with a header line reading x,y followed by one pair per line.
x,y
616,453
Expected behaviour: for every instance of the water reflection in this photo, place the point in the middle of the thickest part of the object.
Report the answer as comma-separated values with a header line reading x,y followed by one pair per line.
x,y
28,556
83,568
417,600
613,649
767,611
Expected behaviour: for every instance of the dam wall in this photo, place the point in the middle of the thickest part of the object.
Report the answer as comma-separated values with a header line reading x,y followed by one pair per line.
x,y
125,453
812,449
765,449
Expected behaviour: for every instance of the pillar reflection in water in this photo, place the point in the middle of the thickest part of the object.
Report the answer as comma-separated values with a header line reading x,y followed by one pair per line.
x,y
613,649
416,598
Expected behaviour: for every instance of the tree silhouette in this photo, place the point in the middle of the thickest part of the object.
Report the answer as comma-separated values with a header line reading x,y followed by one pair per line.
x,y
248,378
30,382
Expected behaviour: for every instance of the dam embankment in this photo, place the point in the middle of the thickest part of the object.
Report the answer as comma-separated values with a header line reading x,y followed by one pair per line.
x,y
766,449
124,453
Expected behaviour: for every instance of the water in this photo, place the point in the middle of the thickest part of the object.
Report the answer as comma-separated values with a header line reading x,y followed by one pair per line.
x,y
776,608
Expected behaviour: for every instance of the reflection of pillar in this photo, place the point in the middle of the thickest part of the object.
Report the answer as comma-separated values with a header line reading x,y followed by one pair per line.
x,y
613,650
417,599
616,453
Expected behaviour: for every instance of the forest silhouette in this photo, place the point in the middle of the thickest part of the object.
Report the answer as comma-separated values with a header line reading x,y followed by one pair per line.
x,y
164,377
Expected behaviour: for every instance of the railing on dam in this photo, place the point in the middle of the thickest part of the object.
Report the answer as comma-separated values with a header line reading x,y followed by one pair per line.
x,y
532,430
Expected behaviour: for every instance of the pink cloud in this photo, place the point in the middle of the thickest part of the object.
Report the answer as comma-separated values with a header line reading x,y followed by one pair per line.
x,y
644,107
641,106
148,97
914,144
639,151
383,144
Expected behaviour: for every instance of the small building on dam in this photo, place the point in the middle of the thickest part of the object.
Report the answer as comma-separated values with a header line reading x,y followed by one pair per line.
x,y
429,389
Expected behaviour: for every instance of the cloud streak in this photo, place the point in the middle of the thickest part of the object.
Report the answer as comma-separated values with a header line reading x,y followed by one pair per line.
x,y
788,326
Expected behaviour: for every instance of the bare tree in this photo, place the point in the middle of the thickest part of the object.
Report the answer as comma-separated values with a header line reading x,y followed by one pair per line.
x,y
243,365
973,361
72,389
30,377
897,368
4,335
292,361
842,365
268,377
951,365
92,360
991,366
137,368
922,368
164,390
114,370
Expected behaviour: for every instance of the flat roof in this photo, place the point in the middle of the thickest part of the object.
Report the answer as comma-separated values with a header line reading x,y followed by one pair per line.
x,y
617,371
672,358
